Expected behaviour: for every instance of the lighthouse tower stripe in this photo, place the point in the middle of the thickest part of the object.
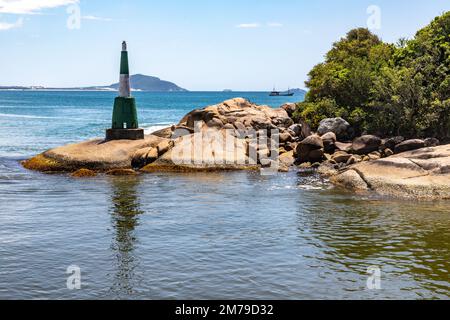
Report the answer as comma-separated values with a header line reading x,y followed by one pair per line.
x,y
124,87
124,83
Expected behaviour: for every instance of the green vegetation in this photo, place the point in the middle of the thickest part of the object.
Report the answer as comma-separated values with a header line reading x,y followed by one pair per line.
x,y
385,89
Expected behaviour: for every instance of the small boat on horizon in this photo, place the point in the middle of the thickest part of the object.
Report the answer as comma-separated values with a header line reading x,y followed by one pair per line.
x,y
275,93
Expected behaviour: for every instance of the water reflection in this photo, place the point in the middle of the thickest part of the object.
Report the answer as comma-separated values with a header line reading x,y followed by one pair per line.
x,y
125,212
409,241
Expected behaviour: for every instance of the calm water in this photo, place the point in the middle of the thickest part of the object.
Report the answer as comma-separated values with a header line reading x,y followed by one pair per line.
x,y
217,235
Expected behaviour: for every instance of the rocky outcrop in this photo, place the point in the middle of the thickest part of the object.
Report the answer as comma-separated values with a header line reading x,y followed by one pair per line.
x,y
198,142
224,137
238,120
239,135
418,174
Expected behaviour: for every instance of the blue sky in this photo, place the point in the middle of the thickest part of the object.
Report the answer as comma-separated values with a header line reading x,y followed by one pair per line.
x,y
200,45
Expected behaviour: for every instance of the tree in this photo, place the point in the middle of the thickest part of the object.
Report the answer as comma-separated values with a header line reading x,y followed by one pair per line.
x,y
346,78
383,88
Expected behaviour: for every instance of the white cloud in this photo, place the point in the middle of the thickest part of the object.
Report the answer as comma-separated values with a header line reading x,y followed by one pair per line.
x,y
274,25
8,26
248,25
95,18
31,6
258,25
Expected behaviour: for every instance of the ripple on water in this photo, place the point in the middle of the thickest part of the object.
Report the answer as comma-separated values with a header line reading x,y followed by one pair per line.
x,y
219,235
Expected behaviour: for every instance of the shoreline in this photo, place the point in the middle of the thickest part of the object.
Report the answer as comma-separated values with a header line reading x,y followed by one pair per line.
x,y
346,164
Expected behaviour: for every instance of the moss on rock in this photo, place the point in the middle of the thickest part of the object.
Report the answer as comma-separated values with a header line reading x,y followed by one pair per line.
x,y
121,172
44,164
83,173
157,167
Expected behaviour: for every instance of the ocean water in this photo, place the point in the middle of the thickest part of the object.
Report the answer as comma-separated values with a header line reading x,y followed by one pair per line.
x,y
197,236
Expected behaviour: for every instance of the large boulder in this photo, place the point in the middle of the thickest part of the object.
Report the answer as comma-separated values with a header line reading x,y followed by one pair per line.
x,y
409,145
285,137
390,143
343,146
208,150
240,113
329,142
287,159
351,180
300,130
338,126
296,130
341,157
310,149
418,174
97,155
306,129
431,142
261,123
366,144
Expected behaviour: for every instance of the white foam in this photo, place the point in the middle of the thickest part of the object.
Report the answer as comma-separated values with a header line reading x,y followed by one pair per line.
x,y
25,116
152,128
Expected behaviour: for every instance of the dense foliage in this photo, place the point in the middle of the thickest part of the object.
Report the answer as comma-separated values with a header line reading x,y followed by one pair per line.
x,y
385,89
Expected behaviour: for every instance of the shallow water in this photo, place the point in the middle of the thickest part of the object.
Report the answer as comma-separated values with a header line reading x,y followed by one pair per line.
x,y
215,235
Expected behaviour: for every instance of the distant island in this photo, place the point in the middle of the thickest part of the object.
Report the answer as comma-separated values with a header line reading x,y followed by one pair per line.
x,y
139,82
296,92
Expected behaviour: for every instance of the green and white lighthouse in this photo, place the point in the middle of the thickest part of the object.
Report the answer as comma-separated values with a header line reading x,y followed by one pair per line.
x,y
125,124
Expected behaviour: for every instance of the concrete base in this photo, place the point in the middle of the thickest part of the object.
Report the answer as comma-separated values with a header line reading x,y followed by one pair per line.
x,y
124,134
